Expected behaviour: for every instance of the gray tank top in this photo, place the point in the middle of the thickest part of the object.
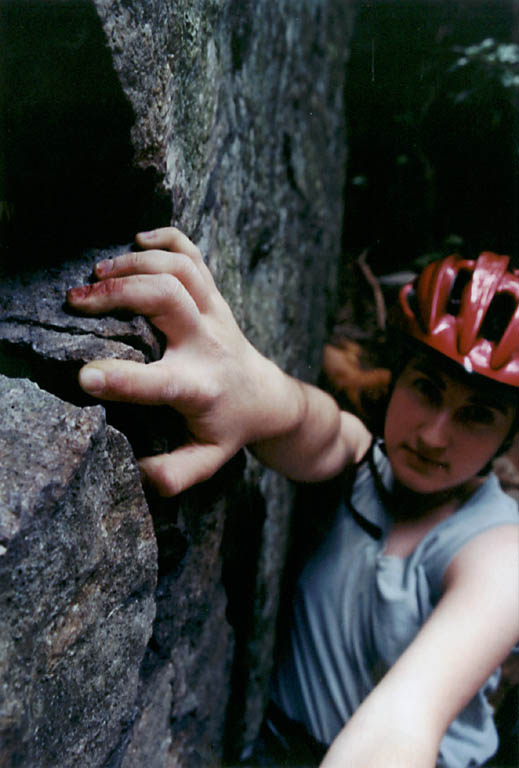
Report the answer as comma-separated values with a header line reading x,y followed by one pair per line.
x,y
356,609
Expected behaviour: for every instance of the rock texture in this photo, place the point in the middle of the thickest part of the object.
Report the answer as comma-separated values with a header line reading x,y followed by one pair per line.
x,y
77,579
225,118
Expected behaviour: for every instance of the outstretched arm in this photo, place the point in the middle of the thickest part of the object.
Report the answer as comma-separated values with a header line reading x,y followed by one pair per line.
x,y
471,631
229,394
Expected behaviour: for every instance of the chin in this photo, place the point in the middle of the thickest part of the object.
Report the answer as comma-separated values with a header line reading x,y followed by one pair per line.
x,y
421,485
432,483
423,481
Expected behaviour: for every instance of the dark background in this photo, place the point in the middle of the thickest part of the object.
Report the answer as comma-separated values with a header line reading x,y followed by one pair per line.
x,y
433,164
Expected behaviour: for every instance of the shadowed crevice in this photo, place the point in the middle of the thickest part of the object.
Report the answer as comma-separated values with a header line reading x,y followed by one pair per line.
x,y
68,179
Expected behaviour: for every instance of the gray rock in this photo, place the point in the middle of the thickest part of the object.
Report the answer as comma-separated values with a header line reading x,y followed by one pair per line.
x,y
238,122
149,740
77,576
34,314
43,340
239,104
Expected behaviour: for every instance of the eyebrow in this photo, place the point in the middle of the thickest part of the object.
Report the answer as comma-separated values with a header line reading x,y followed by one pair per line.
x,y
478,398
426,368
492,402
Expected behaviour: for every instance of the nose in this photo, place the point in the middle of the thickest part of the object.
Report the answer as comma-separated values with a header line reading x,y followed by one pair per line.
x,y
434,431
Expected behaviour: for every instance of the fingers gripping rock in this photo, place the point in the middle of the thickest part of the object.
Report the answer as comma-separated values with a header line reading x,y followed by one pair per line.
x,y
161,297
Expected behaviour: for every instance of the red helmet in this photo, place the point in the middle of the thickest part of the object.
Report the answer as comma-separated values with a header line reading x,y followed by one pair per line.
x,y
469,311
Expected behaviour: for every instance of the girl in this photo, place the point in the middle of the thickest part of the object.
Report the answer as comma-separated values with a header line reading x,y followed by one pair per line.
x,y
411,602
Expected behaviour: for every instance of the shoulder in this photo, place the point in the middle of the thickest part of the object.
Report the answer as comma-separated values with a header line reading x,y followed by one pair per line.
x,y
482,583
491,557
488,510
488,530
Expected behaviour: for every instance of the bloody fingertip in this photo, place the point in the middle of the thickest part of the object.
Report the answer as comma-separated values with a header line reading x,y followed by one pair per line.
x,y
79,292
104,267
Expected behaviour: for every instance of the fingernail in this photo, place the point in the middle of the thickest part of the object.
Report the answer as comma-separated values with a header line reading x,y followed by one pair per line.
x,y
104,267
147,235
92,380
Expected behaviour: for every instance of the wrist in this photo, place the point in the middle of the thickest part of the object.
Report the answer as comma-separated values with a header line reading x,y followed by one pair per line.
x,y
280,402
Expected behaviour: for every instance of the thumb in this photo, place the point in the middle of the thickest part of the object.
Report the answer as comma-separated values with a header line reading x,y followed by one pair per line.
x,y
172,473
128,381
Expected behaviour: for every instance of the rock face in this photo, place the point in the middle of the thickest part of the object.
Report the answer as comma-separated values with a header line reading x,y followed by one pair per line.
x,y
77,580
226,119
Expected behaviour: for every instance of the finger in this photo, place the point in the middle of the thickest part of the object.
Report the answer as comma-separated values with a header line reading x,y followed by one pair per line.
x,y
128,381
172,473
162,298
155,262
172,239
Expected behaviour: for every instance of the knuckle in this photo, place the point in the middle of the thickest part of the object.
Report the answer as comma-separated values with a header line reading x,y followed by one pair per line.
x,y
187,268
197,254
138,261
108,287
167,286
211,392
184,244
169,236
133,260
170,390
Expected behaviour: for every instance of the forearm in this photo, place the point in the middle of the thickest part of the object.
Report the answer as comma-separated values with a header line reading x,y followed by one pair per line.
x,y
372,753
307,437
385,733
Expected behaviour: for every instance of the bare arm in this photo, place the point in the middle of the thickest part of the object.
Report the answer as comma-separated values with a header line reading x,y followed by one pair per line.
x,y
324,441
473,628
229,394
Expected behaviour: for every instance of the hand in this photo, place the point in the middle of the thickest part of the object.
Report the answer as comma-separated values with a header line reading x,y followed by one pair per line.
x,y
209,372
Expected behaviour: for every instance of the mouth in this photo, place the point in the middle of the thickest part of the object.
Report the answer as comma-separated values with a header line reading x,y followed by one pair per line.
x,y
423,460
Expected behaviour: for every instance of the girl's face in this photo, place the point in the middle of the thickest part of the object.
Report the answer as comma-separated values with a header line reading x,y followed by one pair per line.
x,y
439,431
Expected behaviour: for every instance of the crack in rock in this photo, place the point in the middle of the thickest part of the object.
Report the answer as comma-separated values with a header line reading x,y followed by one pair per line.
x,y
33,313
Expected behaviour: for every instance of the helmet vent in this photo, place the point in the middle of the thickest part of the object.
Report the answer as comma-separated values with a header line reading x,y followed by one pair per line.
x,y
414,306
454,301
498,317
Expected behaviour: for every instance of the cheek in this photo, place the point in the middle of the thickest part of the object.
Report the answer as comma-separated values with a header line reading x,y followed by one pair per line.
x,y
478,449
470,453
482,444
399,417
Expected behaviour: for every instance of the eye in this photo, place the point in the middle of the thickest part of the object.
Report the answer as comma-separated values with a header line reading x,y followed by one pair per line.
x,y
477,414
427,389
